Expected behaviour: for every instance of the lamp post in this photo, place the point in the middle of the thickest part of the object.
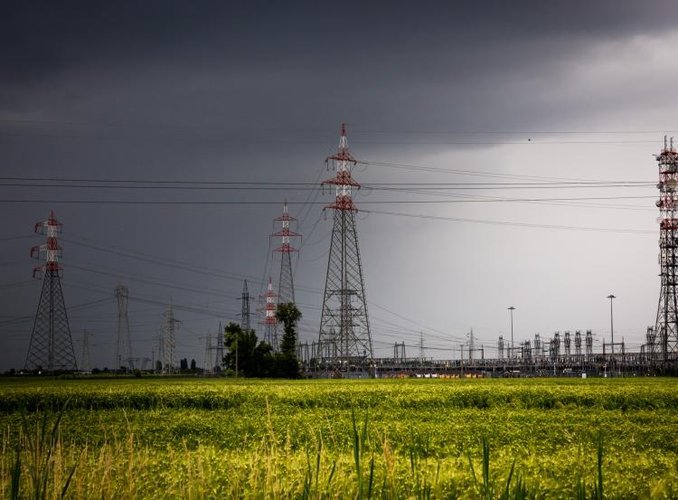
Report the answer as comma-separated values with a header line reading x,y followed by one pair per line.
x,y
611,322
511,308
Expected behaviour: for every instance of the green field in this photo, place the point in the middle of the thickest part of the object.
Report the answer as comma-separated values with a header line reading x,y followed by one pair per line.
x,y
220,438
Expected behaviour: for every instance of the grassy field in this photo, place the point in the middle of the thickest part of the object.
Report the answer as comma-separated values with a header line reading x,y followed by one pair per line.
x,y
218,438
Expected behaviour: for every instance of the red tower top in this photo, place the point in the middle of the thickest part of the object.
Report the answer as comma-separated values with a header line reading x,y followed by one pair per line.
x,y
286,233
668,186
343,182
51,249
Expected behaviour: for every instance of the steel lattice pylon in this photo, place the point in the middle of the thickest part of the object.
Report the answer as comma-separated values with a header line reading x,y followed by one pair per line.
x,y
344,326
245,308
286,282
123,345
667,312
51,345
169,343
219,359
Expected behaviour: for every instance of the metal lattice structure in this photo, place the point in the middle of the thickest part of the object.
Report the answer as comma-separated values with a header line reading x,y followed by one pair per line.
x,y
51,344
123,342
538,347
667,312
169,343
219,358
244,309
269,321
344,337
286,282
567,342
650,343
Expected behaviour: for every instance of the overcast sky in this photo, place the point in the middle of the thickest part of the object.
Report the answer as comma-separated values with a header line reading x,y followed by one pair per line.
x,y
440,99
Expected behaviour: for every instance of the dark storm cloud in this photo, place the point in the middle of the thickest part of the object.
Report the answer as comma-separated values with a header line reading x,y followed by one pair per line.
x,y
47,35
308,50
236,68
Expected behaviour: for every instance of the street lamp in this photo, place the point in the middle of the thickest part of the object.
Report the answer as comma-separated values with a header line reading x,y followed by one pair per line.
x,y
611,322
511,308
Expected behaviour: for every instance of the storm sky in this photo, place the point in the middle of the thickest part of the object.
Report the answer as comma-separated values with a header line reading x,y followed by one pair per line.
x,y
505,147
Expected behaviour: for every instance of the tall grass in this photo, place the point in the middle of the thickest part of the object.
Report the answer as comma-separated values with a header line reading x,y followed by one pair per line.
x,y
596,492
360,443
490,486
46,468
38,455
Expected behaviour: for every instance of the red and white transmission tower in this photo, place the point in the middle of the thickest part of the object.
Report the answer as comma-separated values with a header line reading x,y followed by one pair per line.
x,y
286,282
51,345
667,312
270,321
344,326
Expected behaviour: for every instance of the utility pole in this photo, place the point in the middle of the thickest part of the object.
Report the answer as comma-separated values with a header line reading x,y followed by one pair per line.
x,y
511,308
611,297
471,345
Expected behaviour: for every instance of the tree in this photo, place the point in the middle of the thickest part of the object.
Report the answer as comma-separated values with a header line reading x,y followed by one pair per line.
x,y
286,361
245,354
192,365
183,364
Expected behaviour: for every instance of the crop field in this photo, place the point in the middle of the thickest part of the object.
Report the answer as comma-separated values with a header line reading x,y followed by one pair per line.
x,y
221,438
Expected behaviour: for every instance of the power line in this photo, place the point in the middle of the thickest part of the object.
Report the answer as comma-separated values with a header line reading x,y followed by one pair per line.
x,y
113,184
174,286
86,305
472,173
17,284
165,262
379,212
240,138
264,203
515,224
511,132
155,300
315,130
21,237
